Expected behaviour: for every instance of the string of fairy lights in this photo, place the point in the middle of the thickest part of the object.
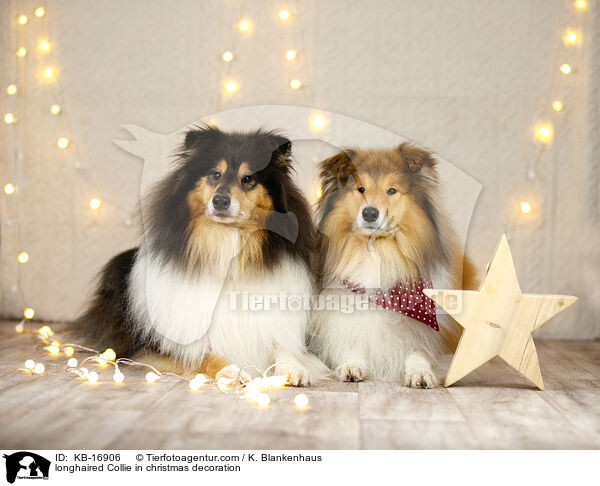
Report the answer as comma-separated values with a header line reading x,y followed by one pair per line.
x,y
231,85
544,132
31,38
253,389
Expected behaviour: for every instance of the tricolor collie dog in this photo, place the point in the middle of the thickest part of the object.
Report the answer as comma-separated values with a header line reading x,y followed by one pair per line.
x,y
385,238
226,225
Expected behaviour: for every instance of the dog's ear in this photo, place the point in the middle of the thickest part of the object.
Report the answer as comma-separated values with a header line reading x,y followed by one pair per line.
x,y
337,169
194,136
282,153
415,158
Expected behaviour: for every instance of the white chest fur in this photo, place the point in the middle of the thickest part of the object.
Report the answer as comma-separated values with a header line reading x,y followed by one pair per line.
x,y
189,316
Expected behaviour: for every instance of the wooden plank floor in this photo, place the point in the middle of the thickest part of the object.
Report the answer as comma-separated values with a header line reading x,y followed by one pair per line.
x,y
492,408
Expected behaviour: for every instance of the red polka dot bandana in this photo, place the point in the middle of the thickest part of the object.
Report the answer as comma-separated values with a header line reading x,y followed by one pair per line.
x,y
405,297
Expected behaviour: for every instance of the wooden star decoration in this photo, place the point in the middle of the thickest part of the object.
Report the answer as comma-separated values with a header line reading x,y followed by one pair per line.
x,y
498,320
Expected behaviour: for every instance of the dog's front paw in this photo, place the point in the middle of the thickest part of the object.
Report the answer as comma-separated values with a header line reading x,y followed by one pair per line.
x,y
296,375
420,379
350,372
235,373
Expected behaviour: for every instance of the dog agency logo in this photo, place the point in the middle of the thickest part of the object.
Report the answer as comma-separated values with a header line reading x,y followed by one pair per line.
x,y
26,465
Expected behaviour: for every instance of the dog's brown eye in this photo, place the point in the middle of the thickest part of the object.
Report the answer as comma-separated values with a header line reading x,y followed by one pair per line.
x,y
391,191
216,175
361,190
247,179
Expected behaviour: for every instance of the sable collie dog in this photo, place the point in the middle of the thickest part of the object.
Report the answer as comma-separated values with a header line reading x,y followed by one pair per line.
x,y
385,239
227,221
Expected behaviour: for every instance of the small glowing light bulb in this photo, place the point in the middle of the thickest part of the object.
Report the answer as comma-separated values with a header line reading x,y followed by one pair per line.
x,y
44,45
72,363
69,351
231,86
319,193
93,377
318,121
48,73
9,118
55,109
21,52
228,56
195,384
277,381
544,133
244,25
301,400
55,343
201,378
46,331
284,15
62,142
557,105
39,368
251,393
29,313
109,354
295,84
151,377
223,383
580,4
23,257
12,89
118,377
9,189
257,384
290,55
565,69
19,328
263,399
30,364
525,207
53,350
570,37
40,12
22,19
95,204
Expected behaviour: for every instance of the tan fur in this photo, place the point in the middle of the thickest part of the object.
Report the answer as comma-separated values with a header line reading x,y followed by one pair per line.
x,y
212,364
222,166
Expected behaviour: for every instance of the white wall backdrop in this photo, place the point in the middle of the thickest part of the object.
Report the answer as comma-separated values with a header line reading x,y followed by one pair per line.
x,y
470,79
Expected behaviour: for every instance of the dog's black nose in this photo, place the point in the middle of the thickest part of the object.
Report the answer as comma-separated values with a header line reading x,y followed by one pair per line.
x,y
370,214
221,202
